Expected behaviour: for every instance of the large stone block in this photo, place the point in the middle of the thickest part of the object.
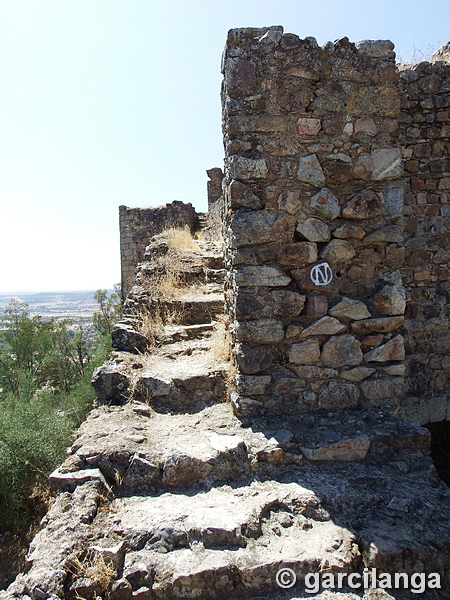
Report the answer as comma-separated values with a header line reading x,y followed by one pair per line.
x,y
350,309
382,325
314,230
261,276
336,394
241,195
310,171
245,168
342,351
338,252
297,254
262,227
392,350
260,331
324,326
391,300
240,76
305,353
365,205
326,204
382,389
252,359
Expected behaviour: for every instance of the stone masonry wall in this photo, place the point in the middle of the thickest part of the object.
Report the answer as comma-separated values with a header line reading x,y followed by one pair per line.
x,y
313,188
425,137
138,225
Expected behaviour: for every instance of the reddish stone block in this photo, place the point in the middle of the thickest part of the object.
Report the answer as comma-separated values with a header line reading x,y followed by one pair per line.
x,y
317,306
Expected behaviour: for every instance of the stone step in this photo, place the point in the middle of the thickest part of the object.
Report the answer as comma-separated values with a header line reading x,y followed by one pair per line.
x,y
162,451
171,451
196,308
188,384
176,333
227,541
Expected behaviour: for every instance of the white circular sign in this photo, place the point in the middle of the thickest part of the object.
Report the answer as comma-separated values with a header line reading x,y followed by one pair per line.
x,y
321,274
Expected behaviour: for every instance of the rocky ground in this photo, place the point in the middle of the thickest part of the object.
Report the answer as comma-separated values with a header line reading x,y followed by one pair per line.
x,y
167,494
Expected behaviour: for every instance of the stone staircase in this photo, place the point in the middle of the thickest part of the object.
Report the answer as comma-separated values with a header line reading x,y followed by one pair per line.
x,y
167,494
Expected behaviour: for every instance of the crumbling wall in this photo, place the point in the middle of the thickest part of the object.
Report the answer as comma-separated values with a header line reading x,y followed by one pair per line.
x,y
425,136
313,191
138,225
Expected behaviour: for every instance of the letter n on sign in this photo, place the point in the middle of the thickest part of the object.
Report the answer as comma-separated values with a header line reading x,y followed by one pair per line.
x,y
321,274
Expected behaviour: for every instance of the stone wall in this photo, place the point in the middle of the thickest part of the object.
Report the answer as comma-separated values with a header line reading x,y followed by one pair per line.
x,y
425,137
138,225
313,189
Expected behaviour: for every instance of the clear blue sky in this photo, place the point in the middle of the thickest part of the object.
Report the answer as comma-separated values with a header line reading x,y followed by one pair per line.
x,y
109,102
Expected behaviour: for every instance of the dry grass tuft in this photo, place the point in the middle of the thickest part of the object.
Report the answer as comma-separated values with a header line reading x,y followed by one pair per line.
x,y
180,238
220,339
94,566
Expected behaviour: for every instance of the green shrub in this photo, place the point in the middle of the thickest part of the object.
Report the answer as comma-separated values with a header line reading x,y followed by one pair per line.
x,y
45,374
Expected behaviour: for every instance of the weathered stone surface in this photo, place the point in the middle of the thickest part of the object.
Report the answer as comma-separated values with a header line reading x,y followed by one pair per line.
x,y
380,389
386,163
306,353
252,384
317,306
390,300
297,254
376,48
384,235
366,126
261,275
374,100
256,124
310,171
345,451
252,359
337,252
110,382
248,168
342,350
382,325
314,230
289,201
313,372
261,227
126,338
293,98
392,350
286,303
59,480
365,205
260,331
324,326
357,374
240,76
156,384
308,126
326,204
240,195
140,472
335,395
347,231
350,309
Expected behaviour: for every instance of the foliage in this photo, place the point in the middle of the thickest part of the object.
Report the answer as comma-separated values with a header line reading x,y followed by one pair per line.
x,y
45,372
110,310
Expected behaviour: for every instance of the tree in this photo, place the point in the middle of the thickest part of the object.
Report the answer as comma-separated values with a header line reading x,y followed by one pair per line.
x,y
110,310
